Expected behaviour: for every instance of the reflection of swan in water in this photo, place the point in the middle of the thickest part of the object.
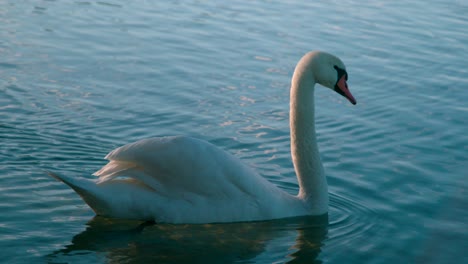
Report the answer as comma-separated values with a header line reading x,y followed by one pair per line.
x,y
294,239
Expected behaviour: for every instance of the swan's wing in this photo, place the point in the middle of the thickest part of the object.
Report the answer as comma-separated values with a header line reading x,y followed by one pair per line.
x,y
175,166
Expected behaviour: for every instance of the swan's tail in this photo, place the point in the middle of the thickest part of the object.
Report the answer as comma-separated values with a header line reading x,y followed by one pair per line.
x,y
88,191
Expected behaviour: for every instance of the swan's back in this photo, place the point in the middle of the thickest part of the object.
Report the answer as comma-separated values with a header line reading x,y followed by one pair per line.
x,y
183,164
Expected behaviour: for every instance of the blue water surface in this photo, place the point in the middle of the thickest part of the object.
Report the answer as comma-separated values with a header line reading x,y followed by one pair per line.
x,y
80,78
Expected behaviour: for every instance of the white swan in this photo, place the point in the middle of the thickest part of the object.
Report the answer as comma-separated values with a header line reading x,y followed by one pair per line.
x,y
186,180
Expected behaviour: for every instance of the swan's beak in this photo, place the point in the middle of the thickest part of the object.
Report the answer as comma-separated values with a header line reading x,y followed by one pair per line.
x,y
341,87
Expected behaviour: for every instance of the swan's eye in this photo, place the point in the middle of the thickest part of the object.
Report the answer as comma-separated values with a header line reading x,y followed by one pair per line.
x,y
341,72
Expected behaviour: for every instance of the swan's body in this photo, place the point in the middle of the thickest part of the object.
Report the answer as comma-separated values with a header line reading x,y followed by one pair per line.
x,y
186,180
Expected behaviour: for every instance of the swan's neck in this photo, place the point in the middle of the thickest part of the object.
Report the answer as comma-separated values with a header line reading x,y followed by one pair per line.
x,y
304,149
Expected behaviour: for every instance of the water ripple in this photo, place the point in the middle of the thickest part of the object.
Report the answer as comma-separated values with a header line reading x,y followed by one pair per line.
x,y
349,220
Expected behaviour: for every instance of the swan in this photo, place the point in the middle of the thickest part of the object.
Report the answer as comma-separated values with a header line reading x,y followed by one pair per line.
x,y
180,179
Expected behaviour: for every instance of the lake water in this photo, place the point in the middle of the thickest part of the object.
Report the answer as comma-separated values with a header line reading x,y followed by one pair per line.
x,y
79,78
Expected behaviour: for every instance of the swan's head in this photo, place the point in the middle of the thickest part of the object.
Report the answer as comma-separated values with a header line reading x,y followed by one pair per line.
x,y
330,71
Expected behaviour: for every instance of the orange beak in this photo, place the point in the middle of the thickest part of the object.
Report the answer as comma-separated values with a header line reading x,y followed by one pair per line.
x,y
341,87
